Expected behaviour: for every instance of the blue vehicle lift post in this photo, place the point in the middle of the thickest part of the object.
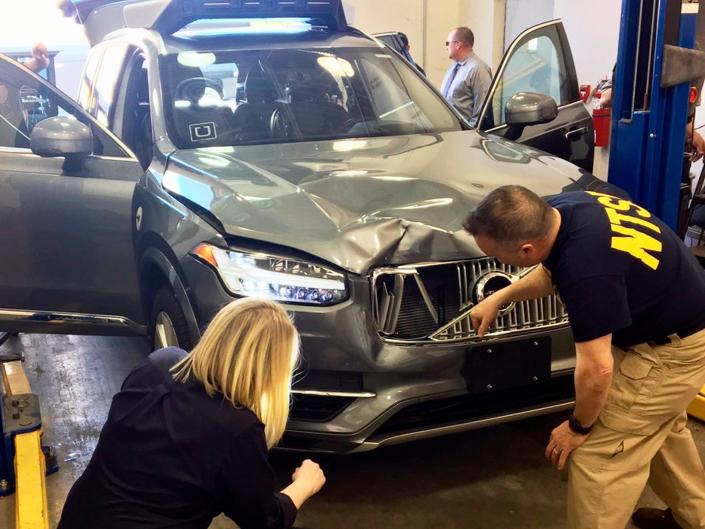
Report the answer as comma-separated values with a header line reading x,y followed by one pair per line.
x,y
656,63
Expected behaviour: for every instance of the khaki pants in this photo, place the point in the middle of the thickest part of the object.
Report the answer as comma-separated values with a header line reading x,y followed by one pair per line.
x,y
641,436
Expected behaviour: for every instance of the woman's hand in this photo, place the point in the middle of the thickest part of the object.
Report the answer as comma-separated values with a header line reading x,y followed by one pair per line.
x,y
307,480
310,474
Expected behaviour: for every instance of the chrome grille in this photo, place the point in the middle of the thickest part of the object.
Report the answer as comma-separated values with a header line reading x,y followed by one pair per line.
x,y
431,302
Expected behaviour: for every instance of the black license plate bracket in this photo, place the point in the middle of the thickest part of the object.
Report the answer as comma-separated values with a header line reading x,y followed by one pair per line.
x,y
497,366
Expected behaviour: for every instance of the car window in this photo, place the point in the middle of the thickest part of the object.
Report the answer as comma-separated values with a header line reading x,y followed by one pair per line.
x,y
390,96
48,73
101,78
535,66
85,90
136,130
106,84
262,96
25,101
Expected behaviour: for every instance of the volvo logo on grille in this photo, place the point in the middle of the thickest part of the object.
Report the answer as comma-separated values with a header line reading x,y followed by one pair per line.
x,y
488,284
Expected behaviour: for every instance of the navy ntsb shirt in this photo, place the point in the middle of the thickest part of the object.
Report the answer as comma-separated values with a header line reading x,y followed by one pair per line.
x,y
618,269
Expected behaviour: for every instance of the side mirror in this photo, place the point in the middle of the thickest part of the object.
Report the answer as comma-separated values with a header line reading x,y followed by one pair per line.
x,y
528,108
62,136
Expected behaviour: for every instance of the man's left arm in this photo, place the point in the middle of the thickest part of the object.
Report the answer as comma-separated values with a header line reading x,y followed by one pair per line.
x,y
593,378
480,86
697,142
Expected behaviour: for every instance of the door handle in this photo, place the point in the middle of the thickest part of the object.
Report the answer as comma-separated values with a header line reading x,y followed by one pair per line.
x,y
571,134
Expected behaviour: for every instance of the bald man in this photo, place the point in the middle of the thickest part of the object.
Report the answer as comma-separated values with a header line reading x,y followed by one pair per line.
x,y
468,80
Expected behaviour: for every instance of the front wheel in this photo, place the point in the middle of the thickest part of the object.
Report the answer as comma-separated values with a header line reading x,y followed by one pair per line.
x,y
168,327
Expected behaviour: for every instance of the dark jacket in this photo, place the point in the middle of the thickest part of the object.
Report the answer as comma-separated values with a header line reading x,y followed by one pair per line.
x,y
171,456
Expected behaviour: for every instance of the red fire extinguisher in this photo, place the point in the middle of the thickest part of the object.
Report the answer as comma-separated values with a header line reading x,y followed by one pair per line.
x,y
601,117
602,121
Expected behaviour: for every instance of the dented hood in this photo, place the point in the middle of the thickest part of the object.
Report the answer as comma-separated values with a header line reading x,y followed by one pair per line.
x,y
363,203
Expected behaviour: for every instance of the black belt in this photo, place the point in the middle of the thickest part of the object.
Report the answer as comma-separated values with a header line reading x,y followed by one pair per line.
x,y
682,334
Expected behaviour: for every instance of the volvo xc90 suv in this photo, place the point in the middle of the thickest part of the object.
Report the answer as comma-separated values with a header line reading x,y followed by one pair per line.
x,y
234,149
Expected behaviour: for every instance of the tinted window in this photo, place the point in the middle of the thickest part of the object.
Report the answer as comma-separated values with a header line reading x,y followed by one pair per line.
x,y
25,101
85,90
535,66
101,79
263,96
47,73
106,84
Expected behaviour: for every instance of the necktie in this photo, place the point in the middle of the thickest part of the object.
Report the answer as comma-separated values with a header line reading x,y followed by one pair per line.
x,y
451,79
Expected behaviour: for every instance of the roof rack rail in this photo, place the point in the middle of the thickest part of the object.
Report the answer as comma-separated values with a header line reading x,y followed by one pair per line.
x,y
169,16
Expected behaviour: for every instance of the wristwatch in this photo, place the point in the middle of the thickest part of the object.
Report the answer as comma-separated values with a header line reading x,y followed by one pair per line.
x,y
576,427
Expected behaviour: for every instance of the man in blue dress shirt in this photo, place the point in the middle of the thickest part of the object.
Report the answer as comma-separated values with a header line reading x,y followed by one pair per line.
x,y
468,80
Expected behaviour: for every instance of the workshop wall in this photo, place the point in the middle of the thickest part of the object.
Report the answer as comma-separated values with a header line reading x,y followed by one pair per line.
x,y
30,21
425,22
521,15
486,19
593,32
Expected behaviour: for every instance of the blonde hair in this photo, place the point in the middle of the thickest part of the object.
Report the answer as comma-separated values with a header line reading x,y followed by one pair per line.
x,y
248,353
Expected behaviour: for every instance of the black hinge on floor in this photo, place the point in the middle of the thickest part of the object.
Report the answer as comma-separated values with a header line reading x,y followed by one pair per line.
x,y
8,356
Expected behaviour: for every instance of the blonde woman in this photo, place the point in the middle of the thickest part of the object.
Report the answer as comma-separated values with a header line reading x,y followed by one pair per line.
x,y
187,435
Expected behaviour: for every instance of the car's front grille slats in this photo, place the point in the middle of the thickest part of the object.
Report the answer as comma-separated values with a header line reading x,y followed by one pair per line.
x,y
431,302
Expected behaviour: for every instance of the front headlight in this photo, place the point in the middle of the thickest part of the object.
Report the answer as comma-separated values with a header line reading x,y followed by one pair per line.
x,y
278,278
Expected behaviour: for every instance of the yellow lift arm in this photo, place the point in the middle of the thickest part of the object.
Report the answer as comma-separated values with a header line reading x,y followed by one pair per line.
x,y
30,467
697,407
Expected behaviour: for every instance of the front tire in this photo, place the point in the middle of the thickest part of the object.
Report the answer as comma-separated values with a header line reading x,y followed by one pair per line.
x,y
168,327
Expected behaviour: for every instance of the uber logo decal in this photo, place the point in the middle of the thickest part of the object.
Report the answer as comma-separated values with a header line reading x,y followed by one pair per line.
x,y
202,131
138,218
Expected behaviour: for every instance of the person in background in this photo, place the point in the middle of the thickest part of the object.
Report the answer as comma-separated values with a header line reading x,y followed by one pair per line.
x,y
13,123
467,82
407,51
187,435
697,142
40,58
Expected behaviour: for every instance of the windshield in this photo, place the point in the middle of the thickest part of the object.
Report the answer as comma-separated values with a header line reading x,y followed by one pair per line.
x,y
245,97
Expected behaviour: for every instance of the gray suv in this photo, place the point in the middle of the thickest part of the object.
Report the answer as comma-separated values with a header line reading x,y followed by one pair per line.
x,y
267,149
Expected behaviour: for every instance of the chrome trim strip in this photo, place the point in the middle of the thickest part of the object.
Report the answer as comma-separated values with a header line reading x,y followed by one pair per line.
x,y
28,152
575,132
413,269
16,150
347,394
474,339
473,424
426,298
70,318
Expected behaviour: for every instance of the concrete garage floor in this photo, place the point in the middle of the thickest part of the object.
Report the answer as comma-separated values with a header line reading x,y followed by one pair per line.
x,y
492,478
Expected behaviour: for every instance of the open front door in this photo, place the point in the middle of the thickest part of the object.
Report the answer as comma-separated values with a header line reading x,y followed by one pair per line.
x,y
66,226
540,61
